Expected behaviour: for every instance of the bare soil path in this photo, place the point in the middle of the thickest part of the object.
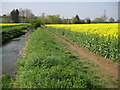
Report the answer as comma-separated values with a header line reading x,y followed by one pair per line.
x,y
108,66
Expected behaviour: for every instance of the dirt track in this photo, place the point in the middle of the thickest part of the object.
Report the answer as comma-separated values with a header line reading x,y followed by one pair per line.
x,y
108,66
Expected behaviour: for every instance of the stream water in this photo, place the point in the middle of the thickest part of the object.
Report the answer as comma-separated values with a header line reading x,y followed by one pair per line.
x,y
11,54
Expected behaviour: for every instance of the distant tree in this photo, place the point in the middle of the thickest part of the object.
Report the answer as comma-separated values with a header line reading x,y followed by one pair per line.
x,y
43,20
87,20
53,19
22,12
111,19
66,21
4,15
28,14
76,20
82,21
98,20
77,17
15,15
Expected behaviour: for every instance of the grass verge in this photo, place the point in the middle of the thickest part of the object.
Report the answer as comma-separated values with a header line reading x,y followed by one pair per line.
x,y
49,64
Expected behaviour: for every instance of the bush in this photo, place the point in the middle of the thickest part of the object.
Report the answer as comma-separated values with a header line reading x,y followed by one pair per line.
x,y
35,24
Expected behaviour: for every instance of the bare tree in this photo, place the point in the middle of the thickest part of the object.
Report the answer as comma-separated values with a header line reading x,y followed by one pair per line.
x,y
26,13
29,14
22,12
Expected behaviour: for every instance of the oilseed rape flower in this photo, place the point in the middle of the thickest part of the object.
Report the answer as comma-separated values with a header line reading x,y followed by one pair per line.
x,y
107,30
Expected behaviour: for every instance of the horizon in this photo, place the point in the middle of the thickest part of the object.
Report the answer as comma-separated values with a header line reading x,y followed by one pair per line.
x,y
66,9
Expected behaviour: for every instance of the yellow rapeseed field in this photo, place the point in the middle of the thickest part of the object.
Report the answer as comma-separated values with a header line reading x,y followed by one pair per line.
x,y
99,38
106,30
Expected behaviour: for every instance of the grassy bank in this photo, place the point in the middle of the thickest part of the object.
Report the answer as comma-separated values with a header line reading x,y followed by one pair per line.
x,y
11,32
49,64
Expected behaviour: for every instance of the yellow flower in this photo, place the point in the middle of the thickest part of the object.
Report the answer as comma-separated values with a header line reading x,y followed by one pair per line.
x,y
93,39
108,30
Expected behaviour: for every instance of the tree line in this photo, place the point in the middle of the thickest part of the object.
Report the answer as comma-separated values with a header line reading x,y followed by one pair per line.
x,y
26,16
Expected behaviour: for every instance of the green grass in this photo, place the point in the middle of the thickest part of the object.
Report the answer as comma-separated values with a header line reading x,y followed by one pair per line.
x,y
6,26
6,81
13,27
49,64
8,33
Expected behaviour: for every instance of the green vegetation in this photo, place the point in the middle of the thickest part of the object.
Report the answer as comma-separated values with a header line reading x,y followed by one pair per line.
x,y
35,23
47,63
100,45
5,20
6,26
14,15
6,81
12,32
77,20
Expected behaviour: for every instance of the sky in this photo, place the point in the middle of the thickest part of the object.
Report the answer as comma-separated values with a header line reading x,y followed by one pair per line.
x,y
65,9
60,0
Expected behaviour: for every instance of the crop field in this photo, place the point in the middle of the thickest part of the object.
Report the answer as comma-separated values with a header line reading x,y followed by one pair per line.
x,y
99,38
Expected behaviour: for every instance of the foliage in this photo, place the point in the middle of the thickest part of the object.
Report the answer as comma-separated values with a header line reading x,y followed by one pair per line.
x,y
47,64
53,19
43,20
15,15
6,82
88,21
99,38
35,23
76,20
98,20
